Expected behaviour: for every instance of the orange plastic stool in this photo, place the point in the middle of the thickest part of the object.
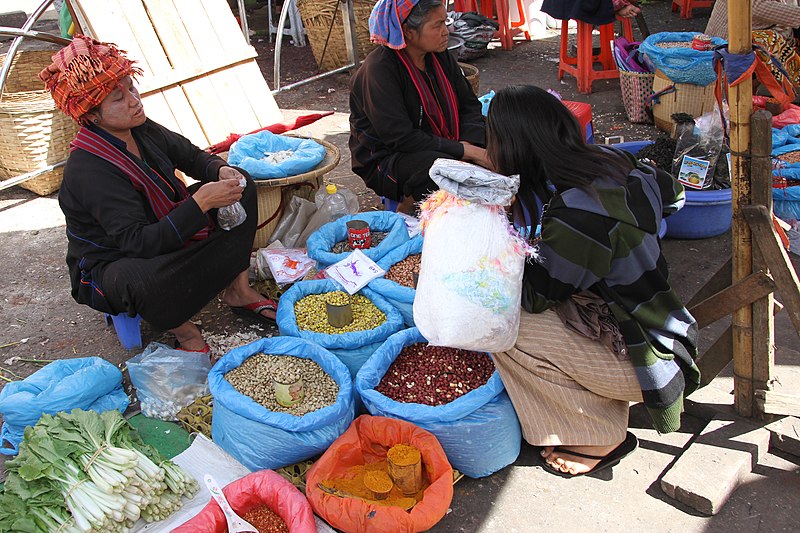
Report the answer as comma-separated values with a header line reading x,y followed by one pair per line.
x,y
583,112
582,65
686,6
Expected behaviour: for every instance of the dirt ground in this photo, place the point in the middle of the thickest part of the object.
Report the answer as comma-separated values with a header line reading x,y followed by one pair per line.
x,y
39,321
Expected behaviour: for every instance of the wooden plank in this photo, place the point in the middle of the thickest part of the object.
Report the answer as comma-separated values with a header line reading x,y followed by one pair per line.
x,y
201,93
777,403
724,303
234,101
716,358
719,281
252,81
763,321
775,255
178,77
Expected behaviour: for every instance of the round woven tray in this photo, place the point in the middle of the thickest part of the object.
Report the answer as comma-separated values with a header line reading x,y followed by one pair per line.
x,y
275,193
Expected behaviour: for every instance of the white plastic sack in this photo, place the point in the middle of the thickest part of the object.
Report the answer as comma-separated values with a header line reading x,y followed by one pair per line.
x,y
470,281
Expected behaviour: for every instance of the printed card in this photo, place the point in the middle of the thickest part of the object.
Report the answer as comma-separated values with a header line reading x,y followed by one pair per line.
x,y
354,271
693,172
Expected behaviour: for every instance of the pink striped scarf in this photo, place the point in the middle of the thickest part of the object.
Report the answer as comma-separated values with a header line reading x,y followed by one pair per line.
x,y
161,204
442,126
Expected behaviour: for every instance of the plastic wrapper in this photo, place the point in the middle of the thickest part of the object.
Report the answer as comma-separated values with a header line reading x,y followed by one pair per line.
x,y
294,220
87,383
698,150
285,265
470,281
256,153
167,379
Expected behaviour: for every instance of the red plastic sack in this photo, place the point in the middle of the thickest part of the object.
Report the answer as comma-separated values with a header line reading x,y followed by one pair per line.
x,y
259,488
366,441
790,116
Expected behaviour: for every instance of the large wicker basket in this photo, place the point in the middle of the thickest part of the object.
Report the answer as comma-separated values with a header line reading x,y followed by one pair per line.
x,y
33,133
317,16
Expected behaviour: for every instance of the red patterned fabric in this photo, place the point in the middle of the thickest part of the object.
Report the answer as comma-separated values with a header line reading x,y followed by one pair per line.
x,y
83,73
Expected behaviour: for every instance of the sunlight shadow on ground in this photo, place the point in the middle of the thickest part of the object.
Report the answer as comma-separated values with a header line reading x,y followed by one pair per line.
x,y
18,213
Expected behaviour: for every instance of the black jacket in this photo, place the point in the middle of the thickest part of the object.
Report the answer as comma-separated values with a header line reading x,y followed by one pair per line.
x,y
592,11
386,112
107,219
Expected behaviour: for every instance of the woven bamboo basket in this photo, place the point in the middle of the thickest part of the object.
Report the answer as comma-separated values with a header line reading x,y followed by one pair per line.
x,y
33,132
687,98
276,193
473,76
317,16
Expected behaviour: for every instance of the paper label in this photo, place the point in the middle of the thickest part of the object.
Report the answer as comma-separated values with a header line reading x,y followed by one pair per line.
x,y
693,172
354,271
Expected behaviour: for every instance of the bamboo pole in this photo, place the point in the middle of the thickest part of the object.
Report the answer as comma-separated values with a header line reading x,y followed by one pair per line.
x,y
741,106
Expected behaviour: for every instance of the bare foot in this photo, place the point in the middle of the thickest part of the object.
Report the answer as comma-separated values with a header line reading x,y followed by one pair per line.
x,y
240,293
189,337
571,464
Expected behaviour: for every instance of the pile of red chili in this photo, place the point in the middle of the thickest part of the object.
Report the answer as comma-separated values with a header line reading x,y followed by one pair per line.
x,y
265,521
434,375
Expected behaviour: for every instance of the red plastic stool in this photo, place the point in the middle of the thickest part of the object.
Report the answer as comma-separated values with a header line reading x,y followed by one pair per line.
x,y
686,6
583,112
582,65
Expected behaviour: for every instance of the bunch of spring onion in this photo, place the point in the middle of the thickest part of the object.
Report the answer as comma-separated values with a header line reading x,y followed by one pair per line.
x,y
86,472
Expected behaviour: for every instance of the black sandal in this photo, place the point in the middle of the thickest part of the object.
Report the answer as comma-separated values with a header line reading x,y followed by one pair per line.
x,y
606,461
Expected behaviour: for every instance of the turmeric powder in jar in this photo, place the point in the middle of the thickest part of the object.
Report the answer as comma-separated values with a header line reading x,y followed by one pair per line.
x,y
405,468
379,483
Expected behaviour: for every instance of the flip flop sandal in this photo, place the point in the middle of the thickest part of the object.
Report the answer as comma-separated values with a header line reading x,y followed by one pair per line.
x,y
205,349
606,461
253,311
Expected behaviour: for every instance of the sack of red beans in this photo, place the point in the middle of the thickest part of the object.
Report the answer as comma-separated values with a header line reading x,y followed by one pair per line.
x,y
260,438
477,427
320,244
352,348
252,491
399,294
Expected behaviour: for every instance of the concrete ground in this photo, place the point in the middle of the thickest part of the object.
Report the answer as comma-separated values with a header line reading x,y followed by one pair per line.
x,y
39,320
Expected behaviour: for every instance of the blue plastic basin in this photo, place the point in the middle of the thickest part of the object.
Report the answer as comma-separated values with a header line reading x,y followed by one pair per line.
x,y
705,213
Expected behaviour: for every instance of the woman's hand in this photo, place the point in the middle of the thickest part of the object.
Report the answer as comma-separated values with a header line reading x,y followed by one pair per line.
x,y
476,154
218,193
229,173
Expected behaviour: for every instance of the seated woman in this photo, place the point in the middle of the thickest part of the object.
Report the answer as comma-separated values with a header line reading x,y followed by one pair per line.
x,y
410,104
591,11
599,266
138,241
774,25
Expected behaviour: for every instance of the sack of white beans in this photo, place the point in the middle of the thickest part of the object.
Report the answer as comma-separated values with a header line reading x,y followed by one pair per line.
x,y
470,281
455,394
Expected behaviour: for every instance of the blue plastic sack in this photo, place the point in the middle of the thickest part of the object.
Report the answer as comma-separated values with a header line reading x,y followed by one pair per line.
x,y
248,153
259,438
399,296
480,432
321,242
789,171
786,202
681,65
87,383
352,348
779,138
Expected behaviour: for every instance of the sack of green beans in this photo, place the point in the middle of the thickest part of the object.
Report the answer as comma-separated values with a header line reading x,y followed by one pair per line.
x,y
328,245
261,437
302,313
455,394
397,286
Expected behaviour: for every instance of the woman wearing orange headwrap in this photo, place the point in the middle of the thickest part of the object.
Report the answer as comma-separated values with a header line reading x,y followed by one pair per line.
x,y
139,240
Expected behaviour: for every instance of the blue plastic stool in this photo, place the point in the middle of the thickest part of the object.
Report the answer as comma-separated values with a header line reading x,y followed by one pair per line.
x,y
128,330
389,205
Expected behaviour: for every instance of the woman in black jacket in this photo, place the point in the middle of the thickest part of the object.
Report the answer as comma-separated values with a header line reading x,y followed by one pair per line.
x,y
410,104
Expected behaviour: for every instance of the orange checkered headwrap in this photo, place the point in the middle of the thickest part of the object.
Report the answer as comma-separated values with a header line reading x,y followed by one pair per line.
x,y
83,73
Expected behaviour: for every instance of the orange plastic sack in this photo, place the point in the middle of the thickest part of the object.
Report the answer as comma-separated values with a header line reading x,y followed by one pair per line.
x,y
264,487
366,441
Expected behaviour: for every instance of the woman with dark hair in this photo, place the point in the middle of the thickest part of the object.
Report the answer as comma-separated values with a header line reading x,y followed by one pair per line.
x,y
139,241
601,325
410,104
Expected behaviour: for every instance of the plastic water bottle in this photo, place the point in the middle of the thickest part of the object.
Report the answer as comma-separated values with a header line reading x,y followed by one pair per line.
x,y
230,216
331,204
